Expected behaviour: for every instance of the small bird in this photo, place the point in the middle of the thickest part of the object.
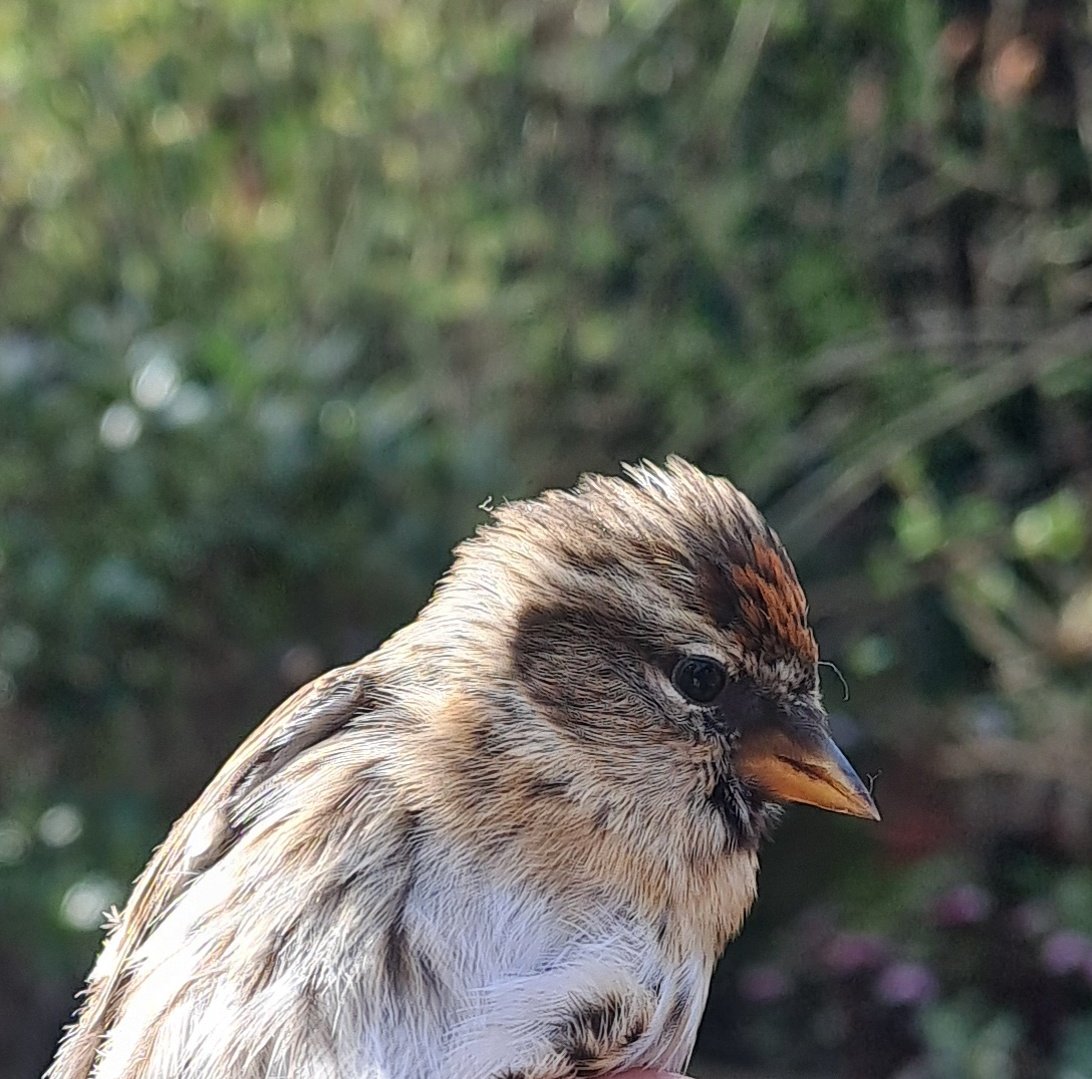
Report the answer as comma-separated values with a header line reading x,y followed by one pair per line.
x,y
510,843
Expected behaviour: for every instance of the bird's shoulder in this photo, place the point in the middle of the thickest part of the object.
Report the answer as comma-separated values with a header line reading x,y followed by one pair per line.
x,y
309,723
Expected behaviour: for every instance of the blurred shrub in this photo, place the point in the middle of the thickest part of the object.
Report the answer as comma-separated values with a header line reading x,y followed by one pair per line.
x,y
953,979
287,290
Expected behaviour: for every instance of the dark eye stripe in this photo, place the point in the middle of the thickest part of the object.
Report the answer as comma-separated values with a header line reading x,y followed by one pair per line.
x,y
745,705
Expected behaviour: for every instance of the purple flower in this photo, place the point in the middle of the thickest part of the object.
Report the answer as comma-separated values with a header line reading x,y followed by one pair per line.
x,y
1065,951
763,983
849,953
965,904
902,984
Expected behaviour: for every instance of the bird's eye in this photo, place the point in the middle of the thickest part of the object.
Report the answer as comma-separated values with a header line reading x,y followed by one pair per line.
x,y
698,678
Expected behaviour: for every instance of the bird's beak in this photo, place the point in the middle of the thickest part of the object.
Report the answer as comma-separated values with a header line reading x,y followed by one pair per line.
x,y
813,771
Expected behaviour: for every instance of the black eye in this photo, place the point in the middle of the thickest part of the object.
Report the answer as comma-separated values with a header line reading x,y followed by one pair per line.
x,y
698,678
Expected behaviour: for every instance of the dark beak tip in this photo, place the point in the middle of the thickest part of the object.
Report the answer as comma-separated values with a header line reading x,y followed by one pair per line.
x,y
865,806
862,802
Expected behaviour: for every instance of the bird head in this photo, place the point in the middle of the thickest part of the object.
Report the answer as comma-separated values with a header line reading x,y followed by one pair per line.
x,y
646,640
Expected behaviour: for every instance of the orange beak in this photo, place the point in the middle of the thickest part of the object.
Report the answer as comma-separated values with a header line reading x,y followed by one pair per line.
x,y
814,772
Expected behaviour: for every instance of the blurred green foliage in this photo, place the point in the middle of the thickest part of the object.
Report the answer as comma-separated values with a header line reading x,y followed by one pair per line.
x,y
286,290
